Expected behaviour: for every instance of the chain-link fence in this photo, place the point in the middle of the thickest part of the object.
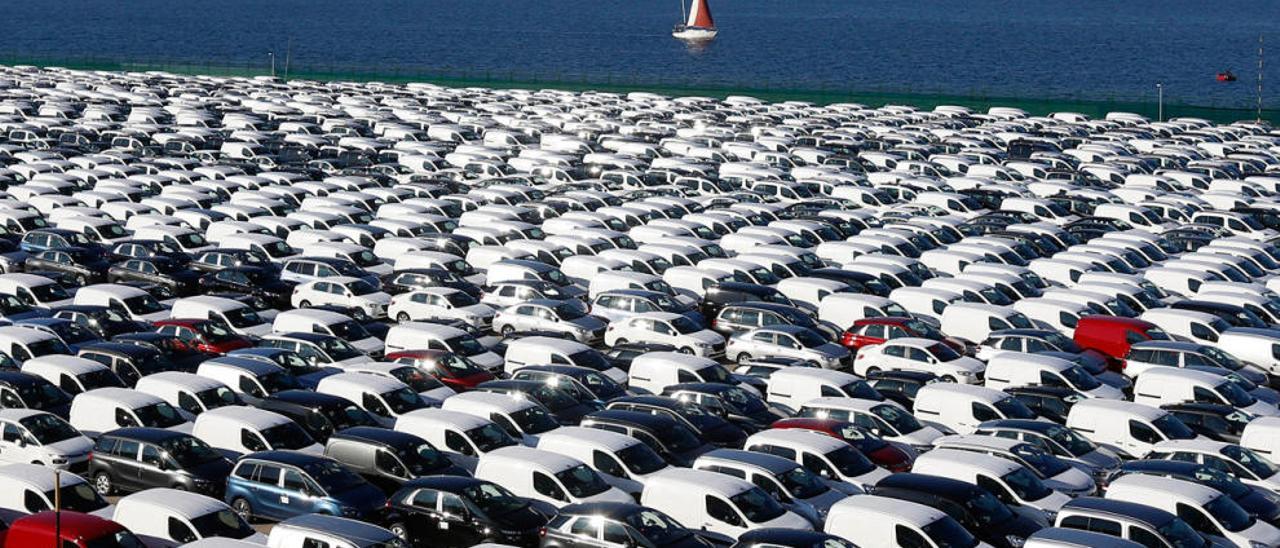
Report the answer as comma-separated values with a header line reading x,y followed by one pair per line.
x,y
621,82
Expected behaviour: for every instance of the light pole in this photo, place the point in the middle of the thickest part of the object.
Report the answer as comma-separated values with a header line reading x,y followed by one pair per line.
x,y
272,55
1160,101
57,507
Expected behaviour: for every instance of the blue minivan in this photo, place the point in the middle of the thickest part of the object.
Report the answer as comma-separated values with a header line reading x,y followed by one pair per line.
x,y
278,485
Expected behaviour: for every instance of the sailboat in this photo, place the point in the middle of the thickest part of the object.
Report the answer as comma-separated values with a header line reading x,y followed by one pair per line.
x,y
699,26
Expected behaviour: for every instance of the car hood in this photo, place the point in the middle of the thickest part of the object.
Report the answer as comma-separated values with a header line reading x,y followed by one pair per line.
x,y
613,494
789,520
707,336
922,437
1020,526
1073,481
588,323
215,470
73,447
522,519
366,497
1101,458
1106,392
1053,502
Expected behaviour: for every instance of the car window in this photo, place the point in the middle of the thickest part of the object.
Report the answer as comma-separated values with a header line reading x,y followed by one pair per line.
x,y
907,537
720,510
180,532
1142,432
546,486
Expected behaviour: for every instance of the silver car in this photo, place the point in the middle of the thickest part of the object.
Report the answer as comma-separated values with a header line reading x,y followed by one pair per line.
x,y
549,315
790,341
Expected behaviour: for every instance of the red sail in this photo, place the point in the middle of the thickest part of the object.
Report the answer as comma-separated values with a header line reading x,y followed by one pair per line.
x,y
700,15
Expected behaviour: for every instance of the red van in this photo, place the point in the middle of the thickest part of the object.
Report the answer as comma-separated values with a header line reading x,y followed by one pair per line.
x,y
77,530
1112,336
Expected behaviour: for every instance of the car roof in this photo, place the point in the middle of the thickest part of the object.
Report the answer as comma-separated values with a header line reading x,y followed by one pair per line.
x,y
1140,512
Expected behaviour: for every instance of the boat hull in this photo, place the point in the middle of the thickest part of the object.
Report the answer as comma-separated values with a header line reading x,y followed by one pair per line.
x,y
694,33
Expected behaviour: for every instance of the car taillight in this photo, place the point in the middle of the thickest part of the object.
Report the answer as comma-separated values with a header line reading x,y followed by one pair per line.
x,y
860,356
715,323
847,338
542,532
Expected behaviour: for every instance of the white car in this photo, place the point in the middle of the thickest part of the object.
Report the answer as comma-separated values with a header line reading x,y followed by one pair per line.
x,y
344,291
666,328
440,303
915,354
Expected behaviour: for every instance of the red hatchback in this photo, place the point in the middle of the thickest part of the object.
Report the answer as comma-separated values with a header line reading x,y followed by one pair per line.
x,y
872,331
206,336
453,370
884,454
76,530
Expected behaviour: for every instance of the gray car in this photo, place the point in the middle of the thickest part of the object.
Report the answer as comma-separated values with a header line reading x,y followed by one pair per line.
x,y
619,304
549,315
790,341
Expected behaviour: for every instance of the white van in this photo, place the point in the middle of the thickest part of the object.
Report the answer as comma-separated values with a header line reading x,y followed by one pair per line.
x,y
462,436
1188,325
429,336
552,351
962,407
1159,386
792,387
832,459
181,517
522,419
237,430
24,432
327,322
623,461
974,322
1016,369
1206,509
129,301
1130,429
1262,436
874,521
33,290
106,409
716,502
843,309
654,371
72,374
385,398
25,488
545,476
239,317
189,393
1009,481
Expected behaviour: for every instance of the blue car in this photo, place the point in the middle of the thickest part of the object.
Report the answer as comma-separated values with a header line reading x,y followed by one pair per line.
x,y
278,485
308,375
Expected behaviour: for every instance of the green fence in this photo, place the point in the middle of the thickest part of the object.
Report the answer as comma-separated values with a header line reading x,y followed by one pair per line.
x,y
614,82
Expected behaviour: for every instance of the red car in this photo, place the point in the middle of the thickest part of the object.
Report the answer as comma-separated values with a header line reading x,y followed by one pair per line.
x,y
206,336
884,454
871,331
1112,336
453,370
76,530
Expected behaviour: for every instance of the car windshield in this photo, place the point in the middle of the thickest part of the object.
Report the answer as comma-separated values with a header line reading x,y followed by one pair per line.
x,y
73,333
1172,428
403,400
714,373
193,239
684,325
1026,485
492,499
333,477
1062,342
757,506
1044,464
896,310
466,345
943,352
802,483
48,428
582,481
987,509
1235,395
99,379
1012,408
458,365
158,415
809,339
567,312
850,462
1074,443
338,349
79,497
49,292
214,332
42,395
143,304
743,401
190,451
287,435
1222,481
489,437
641,459
591,359
222,523
1222,358
947,533
534,420
656,527
278,381
1229,514
422,458
1079,378
242,317
923,330
901,421
349,330
1250,460
1181,535
459,299
214,398
678,439
552,398
361,287
862,391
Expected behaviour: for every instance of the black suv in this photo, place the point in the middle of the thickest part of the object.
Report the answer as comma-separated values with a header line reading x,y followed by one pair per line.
x,y
454,511
134,459
321,415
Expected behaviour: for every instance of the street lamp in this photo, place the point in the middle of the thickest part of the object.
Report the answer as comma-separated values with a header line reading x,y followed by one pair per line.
x,y
272,55
1160,101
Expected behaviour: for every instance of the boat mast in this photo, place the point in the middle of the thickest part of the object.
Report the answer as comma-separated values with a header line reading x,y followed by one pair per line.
x,y
1260,59
683,13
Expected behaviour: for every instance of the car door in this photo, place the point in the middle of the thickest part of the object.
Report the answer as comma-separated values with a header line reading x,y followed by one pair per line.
x,y
297,492
869,334
13,444
269,499
125,464
152,467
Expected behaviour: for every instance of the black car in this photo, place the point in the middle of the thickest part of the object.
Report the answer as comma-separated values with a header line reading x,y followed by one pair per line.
x,y
1257,501
1050,402
177,354
566,408
677,444
26,391
147,249
129,361
250,280
421,278
574,379
618,524
388,458
221,259
180,280
84,265
777,537
741,407
1237,316
973,507
455,511
1211,420
135,459
900,386
717,430
321,415
103,320
725,293
859,282
621,355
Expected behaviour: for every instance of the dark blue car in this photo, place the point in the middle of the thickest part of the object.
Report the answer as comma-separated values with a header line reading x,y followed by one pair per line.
x,y
278,485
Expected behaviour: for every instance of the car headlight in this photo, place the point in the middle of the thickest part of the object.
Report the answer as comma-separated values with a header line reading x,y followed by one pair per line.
x,y
965,373
1256,544
1015,540
58,460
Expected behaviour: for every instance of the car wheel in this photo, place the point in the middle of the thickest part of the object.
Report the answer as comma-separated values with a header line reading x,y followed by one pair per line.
x,y
872,371
399,530
37,463
402,317
102,484
507,329
686,350
620,342
743,358
241,506
304,304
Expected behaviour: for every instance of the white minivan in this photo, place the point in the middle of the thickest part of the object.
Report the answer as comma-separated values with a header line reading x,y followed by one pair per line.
x,y
874,521
42,438
238,430
962,407
1130,429
623,461
552,478
181,517
717,503
105,409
